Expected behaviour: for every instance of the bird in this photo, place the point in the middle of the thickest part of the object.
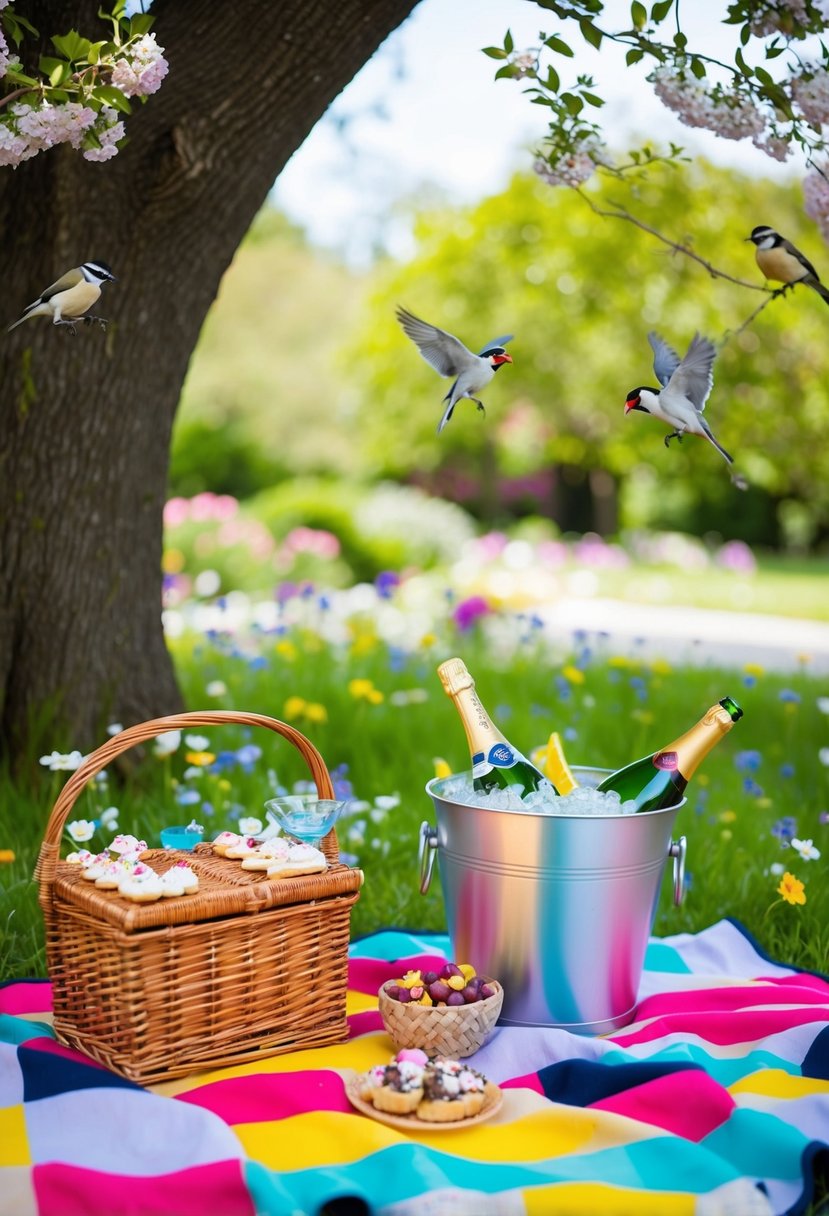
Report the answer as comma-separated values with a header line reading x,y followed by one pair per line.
x,y
448,356
70,297
781,262
685,386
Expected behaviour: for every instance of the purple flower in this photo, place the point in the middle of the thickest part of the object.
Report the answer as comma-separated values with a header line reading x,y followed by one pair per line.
x,y
386,583
747,762
469,611
823,817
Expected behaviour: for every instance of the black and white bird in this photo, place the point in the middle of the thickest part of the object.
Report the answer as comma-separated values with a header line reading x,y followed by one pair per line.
x,y
70,297
685,386
781,262
448,356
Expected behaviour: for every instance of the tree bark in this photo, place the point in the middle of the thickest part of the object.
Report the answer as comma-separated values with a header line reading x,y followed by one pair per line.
x,y
85,422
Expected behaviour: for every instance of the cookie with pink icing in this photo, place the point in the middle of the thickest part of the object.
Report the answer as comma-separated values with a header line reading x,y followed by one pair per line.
x,y
246,846
224,840
110,877
128,846
268,854
301,859
82,857
142,885
96,866
180,879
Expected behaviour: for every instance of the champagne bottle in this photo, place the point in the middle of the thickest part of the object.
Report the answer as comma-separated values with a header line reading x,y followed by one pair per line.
x,y
496,764
659,780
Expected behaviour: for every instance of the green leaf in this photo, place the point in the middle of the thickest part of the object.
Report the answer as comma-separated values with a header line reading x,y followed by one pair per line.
x,y
638,15
59,95
494,52
553,81
660,10
507,72
698,68
509,45
95,49
559,46
763,76
592,99
590,33
680,41
574,104
113,97
140,23
745,34
72,46
633,56
47,64
18,24
741,63
773,51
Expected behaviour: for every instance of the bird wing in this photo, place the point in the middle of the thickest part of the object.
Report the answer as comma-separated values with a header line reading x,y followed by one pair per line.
x,y
804,261
694,377
445,353
665,358
70,279
502,341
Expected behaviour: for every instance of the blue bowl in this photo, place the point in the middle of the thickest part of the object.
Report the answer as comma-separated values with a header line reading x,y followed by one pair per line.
x,y
180,838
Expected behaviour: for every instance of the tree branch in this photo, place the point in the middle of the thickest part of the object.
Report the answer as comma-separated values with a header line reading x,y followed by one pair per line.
x,y
621,213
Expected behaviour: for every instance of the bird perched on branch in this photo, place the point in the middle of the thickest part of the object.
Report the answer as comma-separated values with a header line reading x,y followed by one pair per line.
x,y
448,356
68,299
685,386
781,262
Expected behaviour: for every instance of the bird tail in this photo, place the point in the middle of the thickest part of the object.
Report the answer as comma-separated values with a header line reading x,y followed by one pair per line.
x,y
822,291
27,312
710,437
447,413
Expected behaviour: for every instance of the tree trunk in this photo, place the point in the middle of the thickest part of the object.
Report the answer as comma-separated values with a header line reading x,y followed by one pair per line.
x,y
86,420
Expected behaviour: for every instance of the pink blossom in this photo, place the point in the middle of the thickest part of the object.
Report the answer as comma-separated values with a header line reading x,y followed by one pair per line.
x,y
816,198
141,71
108,129
176,511
730,116
812,94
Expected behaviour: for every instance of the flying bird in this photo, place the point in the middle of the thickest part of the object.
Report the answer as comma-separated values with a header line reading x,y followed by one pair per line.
x,y
685,386
448,356
68,299
781,262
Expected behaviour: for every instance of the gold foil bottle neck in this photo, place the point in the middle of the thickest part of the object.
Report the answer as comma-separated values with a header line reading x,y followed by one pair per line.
x,y
718,715
454,677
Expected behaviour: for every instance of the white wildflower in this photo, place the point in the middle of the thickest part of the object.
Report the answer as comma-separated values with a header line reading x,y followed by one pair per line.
x,y
60,762
823,756
823,704
81,830
114,728
250,826
197,743
387,802
806,849
216,688
728,115
109,818
776,868
167,743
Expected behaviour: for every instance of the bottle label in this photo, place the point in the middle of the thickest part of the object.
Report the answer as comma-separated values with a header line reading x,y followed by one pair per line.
x,y
501,755
666,760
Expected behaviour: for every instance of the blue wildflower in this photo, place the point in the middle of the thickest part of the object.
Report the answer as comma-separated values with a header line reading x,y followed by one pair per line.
x,y
562,688
258,663
386,583
749,681
185,797
786,770
784,829
538,711
247,755
502,712
570,733
748,761
789,695
208,809
751,788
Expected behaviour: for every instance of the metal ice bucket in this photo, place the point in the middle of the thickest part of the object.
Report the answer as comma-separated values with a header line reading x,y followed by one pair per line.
x,y
558,908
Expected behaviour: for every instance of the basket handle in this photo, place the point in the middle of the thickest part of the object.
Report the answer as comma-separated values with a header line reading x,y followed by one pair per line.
x,y
96,761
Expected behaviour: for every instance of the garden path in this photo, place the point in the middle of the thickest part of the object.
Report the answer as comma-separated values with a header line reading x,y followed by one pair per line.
x,y
697,635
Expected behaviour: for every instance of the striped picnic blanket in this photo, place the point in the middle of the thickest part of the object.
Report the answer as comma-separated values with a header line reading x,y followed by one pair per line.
x,y
714,1102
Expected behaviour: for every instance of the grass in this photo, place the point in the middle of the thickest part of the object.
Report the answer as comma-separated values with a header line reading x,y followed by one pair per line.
x,y
611,709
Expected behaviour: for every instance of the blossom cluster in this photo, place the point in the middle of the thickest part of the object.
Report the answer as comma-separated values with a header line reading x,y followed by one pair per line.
x,y
780,16
572,167
810,90
816,197
141,71
136,70
728,115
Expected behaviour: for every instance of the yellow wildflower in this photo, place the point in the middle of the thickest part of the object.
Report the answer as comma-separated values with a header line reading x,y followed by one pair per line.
x,y
644,716
702,779
172,561
727,816
622,660
364,690
792,889
314,712
574,675
660,667
286,650
200,759
726,834
6,855
428,640
293,708
364,643
754,669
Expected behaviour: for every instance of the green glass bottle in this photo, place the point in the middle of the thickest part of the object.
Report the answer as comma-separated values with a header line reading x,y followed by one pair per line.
x,y
659,780
496,764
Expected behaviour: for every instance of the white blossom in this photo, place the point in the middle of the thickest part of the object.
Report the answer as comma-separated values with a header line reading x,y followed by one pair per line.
x,y
216,688
806,849
167,743
107,129
197,743
823,704
81,830
114,728
774,17
251,826
109,818
60,762
812,94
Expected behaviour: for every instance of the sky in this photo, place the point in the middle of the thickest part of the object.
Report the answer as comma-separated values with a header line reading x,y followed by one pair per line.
x,y
426,116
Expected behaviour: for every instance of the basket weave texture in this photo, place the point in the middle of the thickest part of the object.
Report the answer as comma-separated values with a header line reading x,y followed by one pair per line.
x,y
245,968
455,1031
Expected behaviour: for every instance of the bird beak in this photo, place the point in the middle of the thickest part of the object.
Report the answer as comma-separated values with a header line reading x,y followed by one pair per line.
x,y
505,358
748,238
629,405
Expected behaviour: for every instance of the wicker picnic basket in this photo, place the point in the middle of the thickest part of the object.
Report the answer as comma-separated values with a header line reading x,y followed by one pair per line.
x,y
245,968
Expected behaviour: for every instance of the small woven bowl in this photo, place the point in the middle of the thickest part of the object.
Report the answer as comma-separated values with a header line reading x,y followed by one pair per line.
x,y
454,1031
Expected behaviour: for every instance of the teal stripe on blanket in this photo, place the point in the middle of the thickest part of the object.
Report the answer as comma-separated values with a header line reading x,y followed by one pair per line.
x,y
759,1145
724,1071
404,1171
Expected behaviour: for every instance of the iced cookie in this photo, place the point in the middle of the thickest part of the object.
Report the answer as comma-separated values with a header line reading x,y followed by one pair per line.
x,y
245,846
301,859
396,1088
223,841
451,1091
268,854
179,880
142,885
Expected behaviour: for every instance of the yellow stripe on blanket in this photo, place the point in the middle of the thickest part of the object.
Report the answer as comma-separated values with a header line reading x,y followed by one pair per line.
x,y
327,1138
777,1083
14,1143
590,1198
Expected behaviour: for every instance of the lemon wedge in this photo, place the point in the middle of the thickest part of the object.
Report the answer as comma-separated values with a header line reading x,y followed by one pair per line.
x,y
553,763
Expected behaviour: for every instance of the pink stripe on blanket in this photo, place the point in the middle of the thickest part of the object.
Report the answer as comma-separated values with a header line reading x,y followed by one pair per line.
x,y
530,1080
264,1097
51,1047
689,1104
368,974
21,998
723,1028
708,1000
65,1190
366,1022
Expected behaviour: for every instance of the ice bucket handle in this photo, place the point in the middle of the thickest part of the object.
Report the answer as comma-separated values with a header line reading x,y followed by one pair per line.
x,y
426,848
677,850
